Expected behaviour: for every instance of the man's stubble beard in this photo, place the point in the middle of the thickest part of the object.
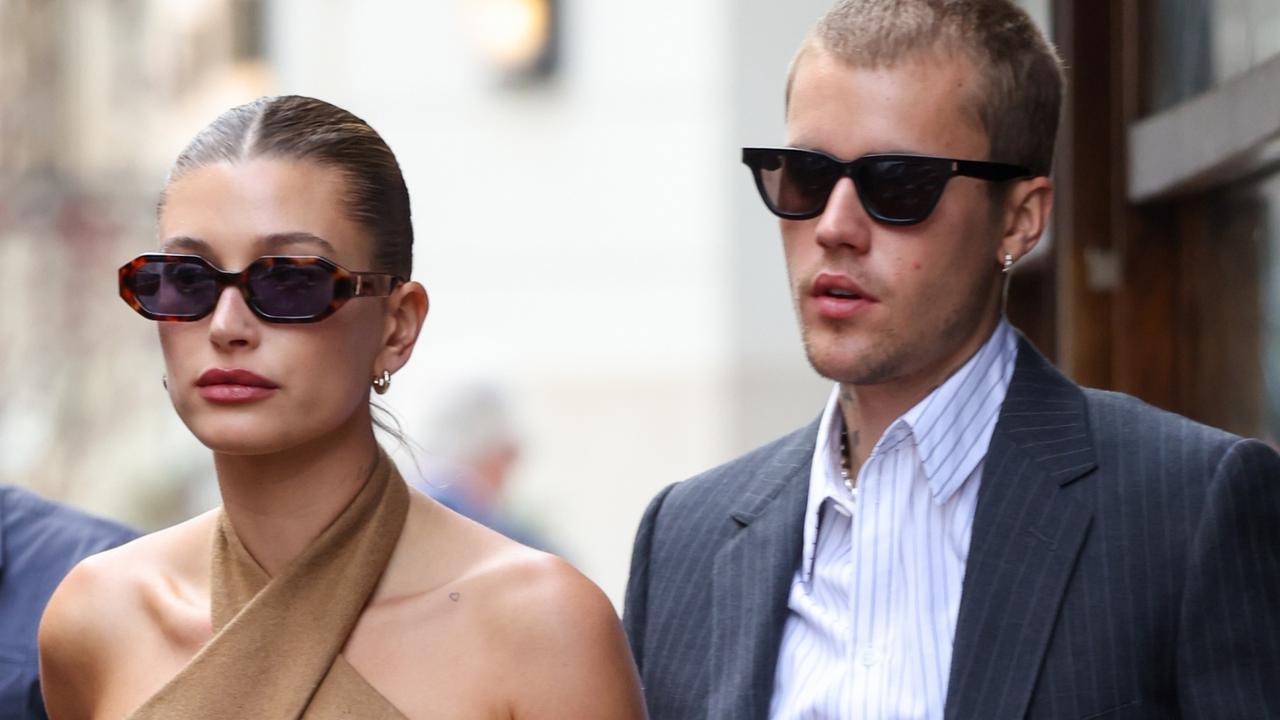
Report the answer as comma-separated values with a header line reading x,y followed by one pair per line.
x,y
879,363
892,356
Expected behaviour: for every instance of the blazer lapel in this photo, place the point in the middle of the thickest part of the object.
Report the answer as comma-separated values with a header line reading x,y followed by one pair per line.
x,y
1027,533
751,581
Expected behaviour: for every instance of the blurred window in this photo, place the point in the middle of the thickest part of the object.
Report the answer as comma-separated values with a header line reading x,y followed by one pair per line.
x,y
1245,219
1193,45
1234,327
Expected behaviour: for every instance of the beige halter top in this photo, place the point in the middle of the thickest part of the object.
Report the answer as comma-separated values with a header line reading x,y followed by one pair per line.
x,y
275,652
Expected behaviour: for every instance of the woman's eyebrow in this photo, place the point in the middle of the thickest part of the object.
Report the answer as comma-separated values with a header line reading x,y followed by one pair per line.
x,y
266,244
274,241
182,243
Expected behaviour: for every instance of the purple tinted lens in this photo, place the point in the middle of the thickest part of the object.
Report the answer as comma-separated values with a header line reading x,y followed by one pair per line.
x,y
290,291
176,288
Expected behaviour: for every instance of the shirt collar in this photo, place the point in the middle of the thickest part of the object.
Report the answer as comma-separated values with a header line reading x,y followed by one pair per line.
x,y
960,413
952,426
823,474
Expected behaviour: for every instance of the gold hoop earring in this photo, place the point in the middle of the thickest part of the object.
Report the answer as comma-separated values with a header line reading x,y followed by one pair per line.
x,y
1008,263
382,383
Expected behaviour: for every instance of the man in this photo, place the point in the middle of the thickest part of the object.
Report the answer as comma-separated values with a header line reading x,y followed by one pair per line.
x,y
963,533
40,542
473,445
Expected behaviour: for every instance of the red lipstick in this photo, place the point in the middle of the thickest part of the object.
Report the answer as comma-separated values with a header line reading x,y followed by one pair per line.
x,y
234,385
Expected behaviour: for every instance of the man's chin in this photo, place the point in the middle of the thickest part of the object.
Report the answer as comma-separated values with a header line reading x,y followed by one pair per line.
x,y
850,363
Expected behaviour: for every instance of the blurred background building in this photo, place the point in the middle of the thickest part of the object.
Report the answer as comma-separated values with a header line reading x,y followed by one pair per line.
x,y
590,241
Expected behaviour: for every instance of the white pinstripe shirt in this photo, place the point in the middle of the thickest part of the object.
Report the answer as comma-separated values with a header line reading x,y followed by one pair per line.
x,y
873,605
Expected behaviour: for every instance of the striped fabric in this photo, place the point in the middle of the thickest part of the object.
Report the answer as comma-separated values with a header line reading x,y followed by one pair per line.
x,y
874,601
1124,564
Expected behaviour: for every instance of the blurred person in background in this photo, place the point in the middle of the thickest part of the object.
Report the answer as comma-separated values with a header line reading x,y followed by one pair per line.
x,y
474,445
963,532
322,586
40,541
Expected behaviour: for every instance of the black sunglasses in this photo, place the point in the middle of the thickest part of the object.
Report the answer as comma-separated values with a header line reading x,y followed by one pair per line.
x,y
895,189
280,289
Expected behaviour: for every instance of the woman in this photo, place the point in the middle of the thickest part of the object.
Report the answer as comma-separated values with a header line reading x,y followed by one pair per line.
x,y
322,588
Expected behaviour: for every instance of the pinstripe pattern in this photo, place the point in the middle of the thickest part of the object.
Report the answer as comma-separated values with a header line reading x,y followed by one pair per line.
x,y
874,601
1124,563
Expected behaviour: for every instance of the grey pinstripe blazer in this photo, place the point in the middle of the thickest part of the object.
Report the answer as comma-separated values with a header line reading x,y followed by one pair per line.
x,y
1125,563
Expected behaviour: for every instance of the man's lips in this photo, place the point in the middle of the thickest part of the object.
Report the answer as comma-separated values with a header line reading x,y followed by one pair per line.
x,y
234,386
839,286
837,296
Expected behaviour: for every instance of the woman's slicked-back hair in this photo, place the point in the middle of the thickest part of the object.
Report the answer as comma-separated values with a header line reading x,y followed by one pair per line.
x,y
293,127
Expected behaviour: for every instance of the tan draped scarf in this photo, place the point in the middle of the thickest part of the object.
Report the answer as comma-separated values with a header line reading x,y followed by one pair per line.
x,y
275,653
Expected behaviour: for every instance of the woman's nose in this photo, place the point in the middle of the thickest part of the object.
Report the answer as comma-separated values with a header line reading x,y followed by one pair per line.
x,y
232,323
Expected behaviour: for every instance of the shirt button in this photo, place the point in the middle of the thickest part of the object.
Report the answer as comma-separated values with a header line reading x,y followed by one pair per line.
x,y
869,656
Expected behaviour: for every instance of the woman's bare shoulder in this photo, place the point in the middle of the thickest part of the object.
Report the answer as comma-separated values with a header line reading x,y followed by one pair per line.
x,y
104,595
557,630
530,588
444,548
515,629
441,548
109,602
563,638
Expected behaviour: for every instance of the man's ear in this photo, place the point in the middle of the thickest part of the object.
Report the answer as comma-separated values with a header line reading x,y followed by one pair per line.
x,y
1026,215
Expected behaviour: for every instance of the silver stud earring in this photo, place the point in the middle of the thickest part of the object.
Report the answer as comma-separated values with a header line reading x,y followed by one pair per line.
x,y
382,383
1008,263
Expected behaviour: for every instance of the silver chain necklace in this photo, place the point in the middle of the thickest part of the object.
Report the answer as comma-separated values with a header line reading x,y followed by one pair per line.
x,y
844,463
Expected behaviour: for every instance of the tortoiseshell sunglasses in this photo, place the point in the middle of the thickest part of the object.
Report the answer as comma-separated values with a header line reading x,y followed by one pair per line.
x,y
280,289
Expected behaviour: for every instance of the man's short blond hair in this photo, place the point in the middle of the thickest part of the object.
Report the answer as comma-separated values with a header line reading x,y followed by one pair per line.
x,y
1020,93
